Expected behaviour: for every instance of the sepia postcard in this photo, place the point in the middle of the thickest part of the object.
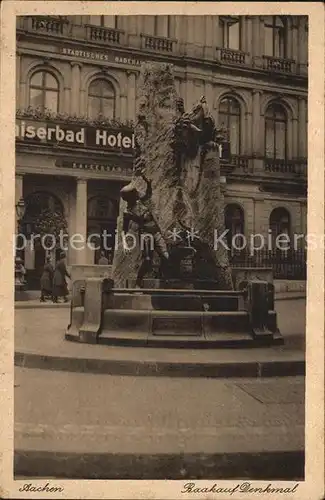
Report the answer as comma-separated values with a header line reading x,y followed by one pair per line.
x,y
162,250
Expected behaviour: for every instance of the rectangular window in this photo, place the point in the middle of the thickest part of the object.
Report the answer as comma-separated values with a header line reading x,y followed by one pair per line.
x,y
280,135
36,98
104,21
269,139
162,26
95,20
268,41
110,22
51,100
230,29
93,107
234,135
234,36
108,108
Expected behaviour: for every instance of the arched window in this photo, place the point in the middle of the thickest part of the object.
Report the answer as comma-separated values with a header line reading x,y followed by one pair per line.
x,y
230,117
280,224
275,34
103,208
231,32
39,201
101,99
44,91
276,132
104,21
235,224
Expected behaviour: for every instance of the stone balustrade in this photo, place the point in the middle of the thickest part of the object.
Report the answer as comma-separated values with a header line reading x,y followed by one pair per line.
x,y
230,56
278,64
290,167
47,24
106,35
157,43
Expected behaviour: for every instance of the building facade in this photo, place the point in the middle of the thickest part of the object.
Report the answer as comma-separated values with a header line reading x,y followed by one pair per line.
x,y
76,101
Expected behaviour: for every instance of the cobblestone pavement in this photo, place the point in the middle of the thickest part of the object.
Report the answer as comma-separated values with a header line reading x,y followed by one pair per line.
x,y
57,411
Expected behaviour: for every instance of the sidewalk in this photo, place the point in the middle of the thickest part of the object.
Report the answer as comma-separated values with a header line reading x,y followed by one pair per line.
x,y
99,426
40,343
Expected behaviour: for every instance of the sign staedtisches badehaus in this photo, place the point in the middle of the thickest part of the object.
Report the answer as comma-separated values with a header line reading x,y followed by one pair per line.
x,y
90,137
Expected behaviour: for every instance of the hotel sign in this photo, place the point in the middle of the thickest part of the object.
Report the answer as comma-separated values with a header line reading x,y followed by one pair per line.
x,y
108,56
115,140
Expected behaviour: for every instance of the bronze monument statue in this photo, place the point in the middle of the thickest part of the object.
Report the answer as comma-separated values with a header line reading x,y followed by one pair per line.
x,y
178,152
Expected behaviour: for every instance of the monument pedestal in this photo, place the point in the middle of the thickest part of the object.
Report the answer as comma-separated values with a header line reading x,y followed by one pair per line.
x,y
165,317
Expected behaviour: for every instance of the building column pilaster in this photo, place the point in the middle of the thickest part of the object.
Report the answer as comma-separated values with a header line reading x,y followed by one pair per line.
x,y
256,37
248,35
294,36
75,88
131,95
81,220
19,187
294,138
18,71
302,128
256,136
248,138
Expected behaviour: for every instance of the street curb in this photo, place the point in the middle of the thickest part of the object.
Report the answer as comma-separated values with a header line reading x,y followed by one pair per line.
x,y
251,369
28,305
284,465
40,305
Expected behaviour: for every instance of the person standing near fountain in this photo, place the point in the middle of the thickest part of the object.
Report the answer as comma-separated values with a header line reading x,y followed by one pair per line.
x,y
60,287
138,212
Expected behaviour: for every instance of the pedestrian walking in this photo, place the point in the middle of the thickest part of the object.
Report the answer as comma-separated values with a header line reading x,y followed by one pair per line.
x,y
60,287
47,280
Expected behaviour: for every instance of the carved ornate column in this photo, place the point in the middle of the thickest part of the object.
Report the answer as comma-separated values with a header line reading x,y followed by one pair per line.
x,y
81,220
75,87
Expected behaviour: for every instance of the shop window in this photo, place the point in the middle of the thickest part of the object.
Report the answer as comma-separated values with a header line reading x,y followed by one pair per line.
x,y
231,32
234,223
44,91
230,118
280,224
275,35
276,132
104,21
102,216
101,99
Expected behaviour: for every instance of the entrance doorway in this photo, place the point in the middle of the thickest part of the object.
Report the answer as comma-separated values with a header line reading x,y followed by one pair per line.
x,y
41,207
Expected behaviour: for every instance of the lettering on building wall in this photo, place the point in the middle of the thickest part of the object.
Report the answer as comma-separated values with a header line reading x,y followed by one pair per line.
x,y
100,56
67,134
94,167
